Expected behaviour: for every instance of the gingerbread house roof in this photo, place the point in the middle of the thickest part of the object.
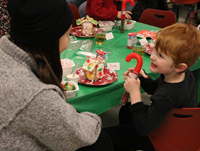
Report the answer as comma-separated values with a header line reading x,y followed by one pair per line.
x,y
86,19
91,63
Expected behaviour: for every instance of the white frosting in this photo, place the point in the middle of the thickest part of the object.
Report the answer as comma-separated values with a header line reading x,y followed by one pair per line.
x,y
94,68
87,28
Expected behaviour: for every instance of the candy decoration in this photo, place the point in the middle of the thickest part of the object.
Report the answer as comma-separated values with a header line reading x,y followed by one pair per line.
x,y
136,71
89,76
123,10
91,64
100,74
68,86
63,85
128,21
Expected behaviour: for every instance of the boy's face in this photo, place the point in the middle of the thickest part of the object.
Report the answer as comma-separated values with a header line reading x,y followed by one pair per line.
x,y
161,63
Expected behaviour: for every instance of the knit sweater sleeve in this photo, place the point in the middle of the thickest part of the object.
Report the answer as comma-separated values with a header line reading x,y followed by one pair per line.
x,y
57,124
100,12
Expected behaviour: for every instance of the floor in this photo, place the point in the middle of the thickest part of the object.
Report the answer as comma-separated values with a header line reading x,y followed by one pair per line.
x,y
110,117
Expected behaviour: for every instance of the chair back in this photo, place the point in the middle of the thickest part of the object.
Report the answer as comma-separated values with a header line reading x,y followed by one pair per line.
x,y
158,18
76,14
180,131
182,2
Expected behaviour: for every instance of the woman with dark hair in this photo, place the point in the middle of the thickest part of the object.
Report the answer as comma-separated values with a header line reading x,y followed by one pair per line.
x,y
34,114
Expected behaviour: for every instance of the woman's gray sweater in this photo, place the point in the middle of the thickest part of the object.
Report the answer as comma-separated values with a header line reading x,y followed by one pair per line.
x,y
35,116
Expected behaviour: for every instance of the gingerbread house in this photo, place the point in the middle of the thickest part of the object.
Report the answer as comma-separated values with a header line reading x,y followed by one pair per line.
x,y
93,68
87,23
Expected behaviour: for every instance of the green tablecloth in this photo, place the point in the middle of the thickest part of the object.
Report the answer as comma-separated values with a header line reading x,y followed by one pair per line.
x,y
98,99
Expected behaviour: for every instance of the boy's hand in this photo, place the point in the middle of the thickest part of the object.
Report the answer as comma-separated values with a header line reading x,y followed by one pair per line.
x,y
142,73
130,70
132,83
126,14
132,86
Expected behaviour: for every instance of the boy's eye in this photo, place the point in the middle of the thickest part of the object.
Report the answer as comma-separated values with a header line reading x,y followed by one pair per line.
x,y
160,55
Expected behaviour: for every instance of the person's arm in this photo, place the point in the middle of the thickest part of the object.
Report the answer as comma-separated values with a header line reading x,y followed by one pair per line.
x,y
147,121
57,124
149,85
126,14
166,97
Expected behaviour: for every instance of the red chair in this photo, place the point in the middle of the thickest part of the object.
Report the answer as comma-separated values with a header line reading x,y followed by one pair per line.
x,y
158,18
180,131
76,14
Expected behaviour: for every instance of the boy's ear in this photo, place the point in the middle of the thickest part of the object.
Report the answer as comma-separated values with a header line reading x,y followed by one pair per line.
x,y
181,67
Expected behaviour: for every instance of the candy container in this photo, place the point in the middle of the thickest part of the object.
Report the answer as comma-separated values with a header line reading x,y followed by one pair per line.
x,y
102,54
123,10
68,86
136,71
131,40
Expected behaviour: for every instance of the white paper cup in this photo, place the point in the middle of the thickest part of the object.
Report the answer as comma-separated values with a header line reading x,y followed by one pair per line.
x,y
67,70
71,78
71,94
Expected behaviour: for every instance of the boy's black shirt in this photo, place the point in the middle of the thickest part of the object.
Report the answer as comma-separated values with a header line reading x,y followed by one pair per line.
x,y
165,97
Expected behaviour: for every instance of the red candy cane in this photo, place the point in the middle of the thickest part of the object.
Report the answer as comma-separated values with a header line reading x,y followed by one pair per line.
x,y
123,10
136,71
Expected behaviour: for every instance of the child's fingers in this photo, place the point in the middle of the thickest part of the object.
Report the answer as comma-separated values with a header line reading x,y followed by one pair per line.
x,y
128,16
125,76
142,73
130,69
125,73
128,12
130,75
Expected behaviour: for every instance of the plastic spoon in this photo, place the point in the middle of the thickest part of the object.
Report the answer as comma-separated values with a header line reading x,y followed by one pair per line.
x,y
75,70
136,71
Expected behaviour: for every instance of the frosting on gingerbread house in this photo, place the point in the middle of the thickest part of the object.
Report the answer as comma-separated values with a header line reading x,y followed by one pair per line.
x,y
86,25
94,68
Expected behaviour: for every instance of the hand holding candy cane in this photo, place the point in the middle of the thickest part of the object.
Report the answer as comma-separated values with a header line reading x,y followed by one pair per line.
x,y
135,71
123,10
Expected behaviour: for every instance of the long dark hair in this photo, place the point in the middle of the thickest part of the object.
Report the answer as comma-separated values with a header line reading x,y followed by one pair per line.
x,y
47,58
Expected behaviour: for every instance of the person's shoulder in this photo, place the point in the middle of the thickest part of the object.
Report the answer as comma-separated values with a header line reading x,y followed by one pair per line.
x,y
188,73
